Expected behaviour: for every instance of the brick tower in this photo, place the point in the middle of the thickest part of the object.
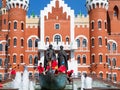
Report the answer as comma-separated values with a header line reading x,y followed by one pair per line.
x,y
97,10
16,25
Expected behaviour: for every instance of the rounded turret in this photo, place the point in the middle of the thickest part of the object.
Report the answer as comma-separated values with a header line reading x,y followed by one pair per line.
x,y
92,4
24,4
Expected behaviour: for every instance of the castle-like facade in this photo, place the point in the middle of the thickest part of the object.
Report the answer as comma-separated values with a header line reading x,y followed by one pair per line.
x,y
92,42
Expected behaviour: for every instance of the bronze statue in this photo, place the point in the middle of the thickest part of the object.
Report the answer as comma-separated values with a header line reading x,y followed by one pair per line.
x,y
49,56
62,58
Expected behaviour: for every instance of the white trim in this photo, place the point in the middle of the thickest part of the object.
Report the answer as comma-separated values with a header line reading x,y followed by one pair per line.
x,y
15,2
100,72
100,53
15,21
14,54
83,37
92,21
32,36
2,41
22,54
93,54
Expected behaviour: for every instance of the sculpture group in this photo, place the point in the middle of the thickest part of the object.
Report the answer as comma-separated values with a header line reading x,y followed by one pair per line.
x,y
56,76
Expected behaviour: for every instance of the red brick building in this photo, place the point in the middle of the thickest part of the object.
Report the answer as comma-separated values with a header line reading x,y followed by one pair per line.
x,y
91,42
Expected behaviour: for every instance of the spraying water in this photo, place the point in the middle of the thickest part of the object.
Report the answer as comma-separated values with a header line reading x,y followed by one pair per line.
x,y
25,82
17,83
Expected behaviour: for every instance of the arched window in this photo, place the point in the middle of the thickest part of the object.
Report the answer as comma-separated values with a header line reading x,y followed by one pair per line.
x,y
100,58
15,25
15,42
47,39
78,59
114,62
101,75
105,25
4,21
22,26
1,47
36,43
92,27
0,62
78,42
21,59
116,11
14,59
93,41
84,43
108,46
30,59
57,39
29,43
93,58
100,41
22,42
84,59
109,61
106,41
36,60
99,24
114,46
9,26
67,39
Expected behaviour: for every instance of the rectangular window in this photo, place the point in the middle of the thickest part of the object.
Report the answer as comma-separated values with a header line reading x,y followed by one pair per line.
x,y
57,26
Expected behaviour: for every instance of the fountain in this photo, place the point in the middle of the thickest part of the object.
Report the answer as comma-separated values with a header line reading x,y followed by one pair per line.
x,y
25,81
17,83
86,82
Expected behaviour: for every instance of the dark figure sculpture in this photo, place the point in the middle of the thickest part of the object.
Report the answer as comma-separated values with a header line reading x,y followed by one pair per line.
x,y
49,56
62,58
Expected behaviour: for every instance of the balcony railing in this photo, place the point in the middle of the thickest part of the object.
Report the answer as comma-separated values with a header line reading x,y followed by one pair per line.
x,y
56,46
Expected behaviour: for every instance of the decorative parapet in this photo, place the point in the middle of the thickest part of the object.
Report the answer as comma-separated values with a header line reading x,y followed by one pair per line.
x,y
82,21
32,21
91,4
24,4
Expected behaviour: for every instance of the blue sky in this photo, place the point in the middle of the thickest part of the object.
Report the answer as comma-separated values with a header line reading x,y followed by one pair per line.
x,y
37,5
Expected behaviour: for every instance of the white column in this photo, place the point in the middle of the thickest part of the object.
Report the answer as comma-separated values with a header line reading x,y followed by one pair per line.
x,y
42,57
72,65
72,26
42,26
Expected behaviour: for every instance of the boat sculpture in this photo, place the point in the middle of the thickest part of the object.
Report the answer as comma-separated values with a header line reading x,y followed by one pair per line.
x,y
52,81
